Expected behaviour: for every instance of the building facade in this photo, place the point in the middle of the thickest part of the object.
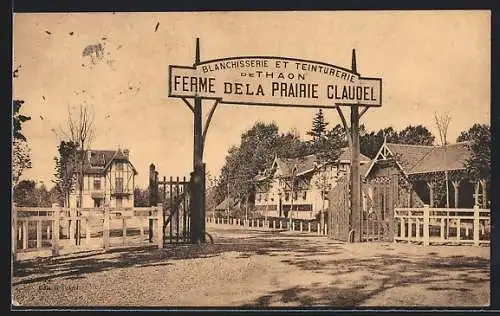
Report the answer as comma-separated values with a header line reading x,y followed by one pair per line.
x,y
108,180
299,185
422,171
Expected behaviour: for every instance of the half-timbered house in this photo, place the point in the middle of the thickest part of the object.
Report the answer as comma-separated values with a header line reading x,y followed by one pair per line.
x,y
299,185
108,180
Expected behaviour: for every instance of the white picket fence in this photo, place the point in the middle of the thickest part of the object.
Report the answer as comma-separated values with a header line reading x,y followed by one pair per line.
x,y
443,225
297,225
68,230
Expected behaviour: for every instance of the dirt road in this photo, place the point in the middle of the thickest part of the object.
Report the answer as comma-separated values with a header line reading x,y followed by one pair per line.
x,y
259,269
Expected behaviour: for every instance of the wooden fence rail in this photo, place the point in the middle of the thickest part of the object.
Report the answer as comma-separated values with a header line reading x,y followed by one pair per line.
x,y
442,225
299,225
77,229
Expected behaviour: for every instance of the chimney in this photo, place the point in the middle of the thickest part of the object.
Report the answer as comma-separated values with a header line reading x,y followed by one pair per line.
x,y
126,152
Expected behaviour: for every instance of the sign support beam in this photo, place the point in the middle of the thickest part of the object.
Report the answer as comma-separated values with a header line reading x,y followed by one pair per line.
x,y
355,178
197,207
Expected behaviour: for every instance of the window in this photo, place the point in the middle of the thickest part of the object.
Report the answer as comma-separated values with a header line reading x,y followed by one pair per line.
x,y
97,183
287,196
119,185
119,166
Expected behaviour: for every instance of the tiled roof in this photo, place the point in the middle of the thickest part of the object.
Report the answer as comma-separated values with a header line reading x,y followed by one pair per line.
x,y
450,157
306,164
99,160
416,159
409,156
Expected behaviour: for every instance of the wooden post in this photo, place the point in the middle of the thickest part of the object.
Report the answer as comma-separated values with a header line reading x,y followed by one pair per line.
x,y
293,225
456,189
72,224
410,228
48,232
301,226
14,232
87,231
105,230
355,177
281,224
39,233
325,230
402,227
476,193
159,227
484,195
458,228
55,229
475,231
141,230
309,227
153,197
124,229
426,225
319,229
25,234
442,230
274,224
431,193
197,209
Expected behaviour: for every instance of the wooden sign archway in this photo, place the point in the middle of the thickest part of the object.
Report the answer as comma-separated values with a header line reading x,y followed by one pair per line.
x,y
272,81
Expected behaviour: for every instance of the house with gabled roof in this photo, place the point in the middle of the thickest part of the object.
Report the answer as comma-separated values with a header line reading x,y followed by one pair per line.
x,y
108,180
299,185
421,168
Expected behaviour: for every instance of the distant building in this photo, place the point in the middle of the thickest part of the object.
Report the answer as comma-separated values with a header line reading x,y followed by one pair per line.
x,y
297,185
419,169
108,180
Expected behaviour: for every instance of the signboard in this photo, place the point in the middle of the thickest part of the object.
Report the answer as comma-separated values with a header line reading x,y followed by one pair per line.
x,y
262,80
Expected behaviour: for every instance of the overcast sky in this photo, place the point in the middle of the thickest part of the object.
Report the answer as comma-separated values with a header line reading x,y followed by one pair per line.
x,y
429,61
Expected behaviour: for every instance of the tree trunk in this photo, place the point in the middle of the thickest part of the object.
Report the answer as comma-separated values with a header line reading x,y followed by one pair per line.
x,y
322,214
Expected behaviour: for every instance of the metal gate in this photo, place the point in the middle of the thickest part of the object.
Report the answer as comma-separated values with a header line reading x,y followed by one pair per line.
x,y
380,197
339,211
175,196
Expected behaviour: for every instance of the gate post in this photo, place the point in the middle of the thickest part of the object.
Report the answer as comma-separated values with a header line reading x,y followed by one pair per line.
x,y
153,196
159,221
55,230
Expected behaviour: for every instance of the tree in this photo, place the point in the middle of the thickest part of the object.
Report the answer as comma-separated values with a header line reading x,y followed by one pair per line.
x,y
416,135
319,125
370,142
141,197
80,131
21,156
475,132
442,123
21,159
256,151
479,143
24,193
18,119
65,170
